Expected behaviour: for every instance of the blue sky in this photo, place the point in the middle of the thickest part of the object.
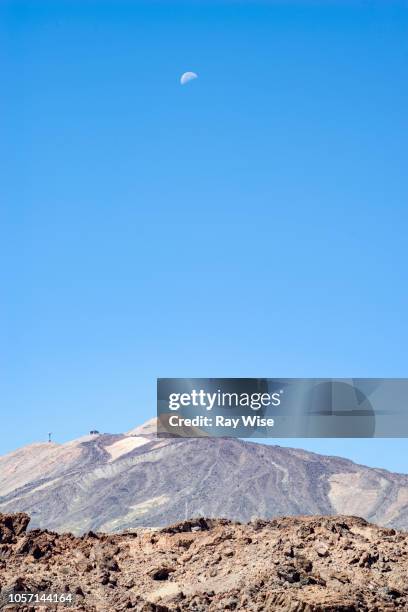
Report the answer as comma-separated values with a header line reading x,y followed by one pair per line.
x,y
251,223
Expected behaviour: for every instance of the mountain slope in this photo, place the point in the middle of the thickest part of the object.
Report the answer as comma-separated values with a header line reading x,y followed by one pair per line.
x,y
115,482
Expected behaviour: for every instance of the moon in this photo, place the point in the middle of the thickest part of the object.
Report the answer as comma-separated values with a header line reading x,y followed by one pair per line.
x,y
187,76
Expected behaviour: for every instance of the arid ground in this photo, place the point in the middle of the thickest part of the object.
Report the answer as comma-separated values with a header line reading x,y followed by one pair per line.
x,y
296,564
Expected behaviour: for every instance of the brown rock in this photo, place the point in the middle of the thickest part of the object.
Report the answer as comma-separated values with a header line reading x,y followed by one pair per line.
x,y
322,550
12,526
296,564
161,573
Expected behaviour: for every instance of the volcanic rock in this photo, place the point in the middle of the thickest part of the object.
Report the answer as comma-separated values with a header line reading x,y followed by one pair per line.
x,y
150,570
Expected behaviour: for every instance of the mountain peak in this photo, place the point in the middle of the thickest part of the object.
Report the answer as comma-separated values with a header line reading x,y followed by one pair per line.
x,y
147,429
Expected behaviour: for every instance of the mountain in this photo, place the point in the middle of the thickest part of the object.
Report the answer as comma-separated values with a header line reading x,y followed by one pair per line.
x,y
114,482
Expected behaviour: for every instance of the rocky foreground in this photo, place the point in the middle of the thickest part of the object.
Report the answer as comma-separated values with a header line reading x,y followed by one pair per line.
x,y
297,564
